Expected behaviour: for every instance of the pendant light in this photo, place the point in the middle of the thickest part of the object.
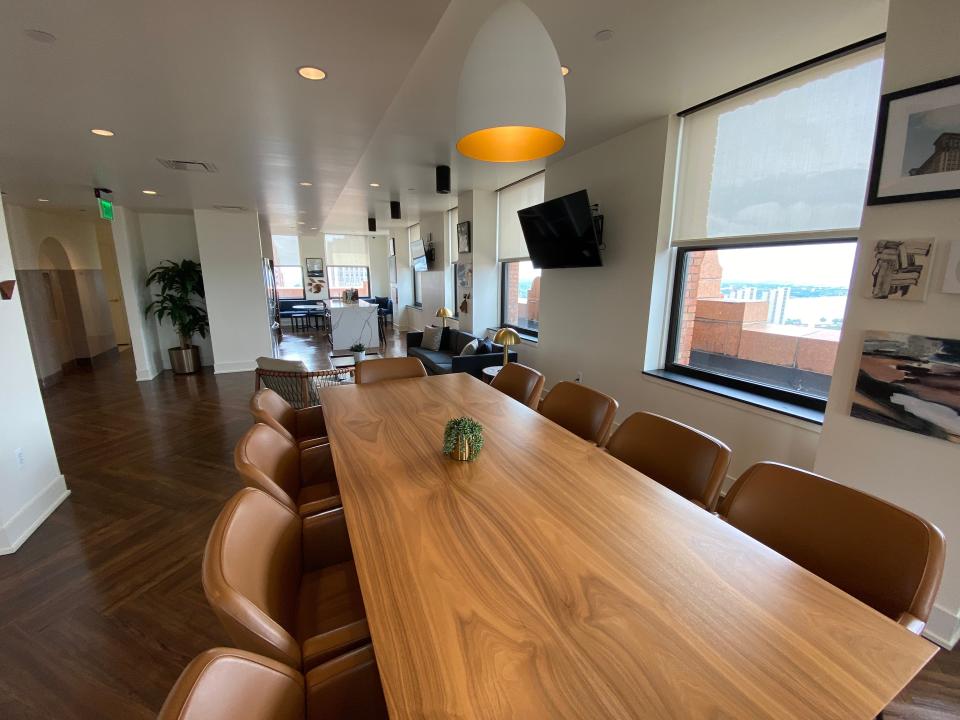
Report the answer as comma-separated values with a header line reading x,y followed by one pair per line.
x,y
511,103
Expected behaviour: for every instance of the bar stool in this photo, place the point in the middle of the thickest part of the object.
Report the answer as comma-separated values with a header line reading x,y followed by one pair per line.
x,y
299,321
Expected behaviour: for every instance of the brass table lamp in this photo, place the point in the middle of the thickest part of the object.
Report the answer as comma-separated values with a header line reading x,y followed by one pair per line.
x,y
443,313
506,337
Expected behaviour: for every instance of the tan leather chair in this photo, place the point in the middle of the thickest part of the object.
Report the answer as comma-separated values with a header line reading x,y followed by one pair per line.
x,y
303,480
677,456
228,684
582,410
371,371
281,585
884,556
522,383
304,427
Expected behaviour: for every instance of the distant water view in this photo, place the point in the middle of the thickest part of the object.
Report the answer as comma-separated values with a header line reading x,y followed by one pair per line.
x,y
802,305
821,311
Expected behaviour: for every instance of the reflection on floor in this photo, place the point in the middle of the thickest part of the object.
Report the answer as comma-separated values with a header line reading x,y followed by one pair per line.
x,y
313,348
102,607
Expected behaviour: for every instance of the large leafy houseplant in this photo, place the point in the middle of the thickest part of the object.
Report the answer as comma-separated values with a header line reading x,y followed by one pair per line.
x,y
180,300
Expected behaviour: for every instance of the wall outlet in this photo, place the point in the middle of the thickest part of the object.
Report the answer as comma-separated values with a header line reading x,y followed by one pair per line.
x,y
579,377
18,453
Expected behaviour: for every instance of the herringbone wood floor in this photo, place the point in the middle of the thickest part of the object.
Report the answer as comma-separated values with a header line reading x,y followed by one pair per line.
x,y
102,607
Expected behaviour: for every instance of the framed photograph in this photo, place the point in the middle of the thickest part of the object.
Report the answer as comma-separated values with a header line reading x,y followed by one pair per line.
x,y
901,269
917,150
463,237
910,382
951,278
314,267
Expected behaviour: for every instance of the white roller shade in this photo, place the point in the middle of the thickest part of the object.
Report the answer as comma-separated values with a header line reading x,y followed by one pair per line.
x,y
348,250
791,156
510,242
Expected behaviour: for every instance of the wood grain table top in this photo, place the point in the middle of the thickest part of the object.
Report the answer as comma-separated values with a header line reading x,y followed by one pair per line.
x,y
548,580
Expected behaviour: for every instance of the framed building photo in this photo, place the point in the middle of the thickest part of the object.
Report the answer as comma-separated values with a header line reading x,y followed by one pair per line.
x,y
463,237
314,267
917,148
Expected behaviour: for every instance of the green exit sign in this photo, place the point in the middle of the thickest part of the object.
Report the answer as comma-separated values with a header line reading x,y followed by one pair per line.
x,y
106,209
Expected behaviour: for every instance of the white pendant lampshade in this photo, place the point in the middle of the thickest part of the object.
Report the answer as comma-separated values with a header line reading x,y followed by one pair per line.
x,y
511,104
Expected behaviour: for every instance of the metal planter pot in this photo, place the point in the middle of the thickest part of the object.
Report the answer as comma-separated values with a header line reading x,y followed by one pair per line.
x,y
185,360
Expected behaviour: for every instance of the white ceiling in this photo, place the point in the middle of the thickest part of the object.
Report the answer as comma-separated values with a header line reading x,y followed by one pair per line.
x,y
215,81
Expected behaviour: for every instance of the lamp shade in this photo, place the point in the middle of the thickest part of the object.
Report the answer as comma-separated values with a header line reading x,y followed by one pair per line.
x,y
444,312
511,102
506,336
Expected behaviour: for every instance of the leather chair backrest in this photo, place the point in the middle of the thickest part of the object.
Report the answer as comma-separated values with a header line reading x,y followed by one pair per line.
x,y
582,410
271,409
347,687
251,574
227,684
397,368
267,460
886,557
522,383
689,462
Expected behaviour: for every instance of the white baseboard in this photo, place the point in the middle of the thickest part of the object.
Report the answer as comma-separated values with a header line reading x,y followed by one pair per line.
x,y
943,627
232,367
21,526
147,374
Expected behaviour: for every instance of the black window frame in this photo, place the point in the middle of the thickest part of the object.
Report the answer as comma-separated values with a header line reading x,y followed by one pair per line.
x,y
303,281
778,394
417,301
525,333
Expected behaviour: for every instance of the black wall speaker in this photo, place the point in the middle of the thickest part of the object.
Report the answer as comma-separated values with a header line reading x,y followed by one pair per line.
x,y
372,224
394,209
443,179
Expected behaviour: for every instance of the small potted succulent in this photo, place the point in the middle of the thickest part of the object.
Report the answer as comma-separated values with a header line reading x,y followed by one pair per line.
x,y
463,438
359,351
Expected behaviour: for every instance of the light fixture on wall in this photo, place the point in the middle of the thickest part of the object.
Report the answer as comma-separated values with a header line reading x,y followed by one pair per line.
x,y
395,210
511,102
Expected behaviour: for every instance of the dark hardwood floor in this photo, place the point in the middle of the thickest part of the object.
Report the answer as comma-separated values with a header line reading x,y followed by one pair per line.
x,y
102,607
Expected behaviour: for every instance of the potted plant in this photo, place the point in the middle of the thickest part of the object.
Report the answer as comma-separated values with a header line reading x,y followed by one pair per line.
x,y
359,351
463,438
181,300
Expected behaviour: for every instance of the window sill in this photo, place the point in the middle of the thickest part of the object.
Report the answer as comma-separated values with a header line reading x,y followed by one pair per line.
x,y
415,307
778,406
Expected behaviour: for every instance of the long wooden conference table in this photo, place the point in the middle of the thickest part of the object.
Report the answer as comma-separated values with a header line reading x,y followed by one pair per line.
x,y
548,580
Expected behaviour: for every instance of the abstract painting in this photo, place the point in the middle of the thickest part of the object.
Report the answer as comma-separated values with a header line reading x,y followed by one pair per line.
x,y
901,269
910,382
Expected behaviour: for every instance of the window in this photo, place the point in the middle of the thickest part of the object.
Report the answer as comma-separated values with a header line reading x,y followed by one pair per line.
x,y
417,289
348,277
453,255
286,250
519,280
521,297
289,282
769,196
417,262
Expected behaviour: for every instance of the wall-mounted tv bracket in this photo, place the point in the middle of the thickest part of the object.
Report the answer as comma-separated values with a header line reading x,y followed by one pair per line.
x,y
598,224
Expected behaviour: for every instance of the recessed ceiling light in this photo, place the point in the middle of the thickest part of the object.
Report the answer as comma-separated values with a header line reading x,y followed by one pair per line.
x,y
314,228
374,184
311,73
564,70
603,35
102,132
301,222
42,200
41,36
304,183
149,192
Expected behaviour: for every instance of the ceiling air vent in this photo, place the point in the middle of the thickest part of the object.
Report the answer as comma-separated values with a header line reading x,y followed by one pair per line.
x,y
188,165
230,208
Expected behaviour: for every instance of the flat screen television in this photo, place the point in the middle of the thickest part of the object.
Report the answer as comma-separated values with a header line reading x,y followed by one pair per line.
x,y
561,233
418,256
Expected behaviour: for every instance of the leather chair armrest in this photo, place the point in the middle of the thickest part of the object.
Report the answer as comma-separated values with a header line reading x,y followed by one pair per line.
x,y
911,623
327,646
316,466
325,540
346,687
414,339
310,423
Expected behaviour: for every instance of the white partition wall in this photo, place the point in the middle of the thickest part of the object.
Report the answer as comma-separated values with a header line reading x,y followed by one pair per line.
x,y
232,262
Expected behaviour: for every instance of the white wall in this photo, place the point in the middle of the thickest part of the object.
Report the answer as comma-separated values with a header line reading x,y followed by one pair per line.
x,y
232,261
28,493
431,282
595,320
29,227
111,283
172,236
910,470
132,265
379,275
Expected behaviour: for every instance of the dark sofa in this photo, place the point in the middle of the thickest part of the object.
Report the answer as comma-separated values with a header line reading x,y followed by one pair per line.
x,y
448,359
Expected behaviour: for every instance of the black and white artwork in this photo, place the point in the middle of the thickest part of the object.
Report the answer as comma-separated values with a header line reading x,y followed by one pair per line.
x,y
901,269
463,237
314,267
911,382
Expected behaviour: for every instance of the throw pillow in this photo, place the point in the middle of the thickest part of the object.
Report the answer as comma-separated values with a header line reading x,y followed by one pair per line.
x,y
485,347
470,348
431,338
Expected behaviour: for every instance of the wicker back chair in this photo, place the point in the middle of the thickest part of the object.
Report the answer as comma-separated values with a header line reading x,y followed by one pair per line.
x,y
294,383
